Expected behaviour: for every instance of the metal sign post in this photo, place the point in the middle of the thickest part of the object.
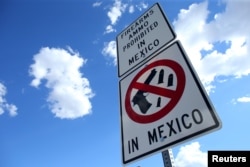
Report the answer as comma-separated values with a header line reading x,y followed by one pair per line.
x,y
168,158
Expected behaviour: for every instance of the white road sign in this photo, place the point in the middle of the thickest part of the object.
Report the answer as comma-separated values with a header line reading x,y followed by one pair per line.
x,y
142,38
162,104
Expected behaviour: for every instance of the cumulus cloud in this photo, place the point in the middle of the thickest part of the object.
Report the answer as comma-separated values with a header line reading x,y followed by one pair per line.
x,y
4,105
191,156
114,13
109,50
70,92
200,39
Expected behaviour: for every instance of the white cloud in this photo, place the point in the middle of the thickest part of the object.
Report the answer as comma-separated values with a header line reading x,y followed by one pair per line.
x,y
109,29
244,99
141,6
227,27
97,4
116,11
131,9
191,156
70,92
110,51
4,105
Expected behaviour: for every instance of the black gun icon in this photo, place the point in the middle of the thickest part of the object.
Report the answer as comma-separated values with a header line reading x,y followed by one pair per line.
x,y
140,99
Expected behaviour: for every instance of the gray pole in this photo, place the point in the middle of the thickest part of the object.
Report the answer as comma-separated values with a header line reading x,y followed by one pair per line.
x,y
168,158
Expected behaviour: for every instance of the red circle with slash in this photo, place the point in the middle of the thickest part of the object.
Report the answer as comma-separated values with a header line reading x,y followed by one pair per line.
x,y
174,95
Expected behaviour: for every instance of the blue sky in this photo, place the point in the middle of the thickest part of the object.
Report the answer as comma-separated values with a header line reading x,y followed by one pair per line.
x,y
59,95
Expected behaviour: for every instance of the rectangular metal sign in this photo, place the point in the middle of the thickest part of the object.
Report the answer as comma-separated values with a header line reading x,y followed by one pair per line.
x,y
146,35
162,104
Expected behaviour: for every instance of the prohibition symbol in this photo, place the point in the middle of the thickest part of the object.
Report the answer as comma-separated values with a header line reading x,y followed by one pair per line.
x,y
140,99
